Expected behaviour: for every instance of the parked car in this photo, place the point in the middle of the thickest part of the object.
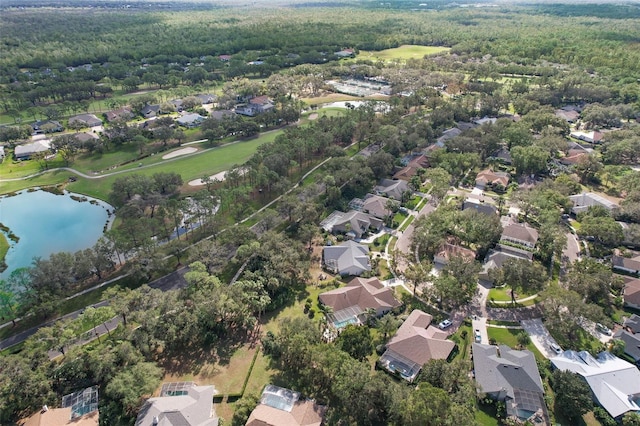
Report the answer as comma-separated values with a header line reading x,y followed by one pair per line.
x,y
555,348
603,329
444,324
477,336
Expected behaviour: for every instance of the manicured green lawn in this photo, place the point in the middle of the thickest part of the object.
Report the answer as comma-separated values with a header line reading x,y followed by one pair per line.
x,y
407,223
406,51
504,294
4,248
507,336
191,167
486,415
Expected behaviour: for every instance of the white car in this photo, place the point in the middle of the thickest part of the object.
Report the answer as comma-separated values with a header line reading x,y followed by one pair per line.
x,y
477,336
445,324
555,348
603,329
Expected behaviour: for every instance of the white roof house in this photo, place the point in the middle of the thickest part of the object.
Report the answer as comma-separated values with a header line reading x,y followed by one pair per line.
x,y
615,383
582,202
349,258
182,403
24,152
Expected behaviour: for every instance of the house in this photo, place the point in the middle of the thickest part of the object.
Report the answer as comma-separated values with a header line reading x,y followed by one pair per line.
x,y
569,115
47,126
632,324
614,383
631,343
85,137
180,403
626,264
345,53
395,189
123,113
349,303
582,202
520,234
224,58
2,154
26,151
257,105
591,137
447,251
177,104
348,258
415,343
85,120
411,169
446,135
78,409
284,407
511,376
355,224
221,114
503,155
207,98
377,206
631,294
150,111
489,177
190,120
497,258
485,120
573,157
480,206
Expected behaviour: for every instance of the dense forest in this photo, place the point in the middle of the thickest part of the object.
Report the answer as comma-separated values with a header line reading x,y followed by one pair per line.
x,y
500,83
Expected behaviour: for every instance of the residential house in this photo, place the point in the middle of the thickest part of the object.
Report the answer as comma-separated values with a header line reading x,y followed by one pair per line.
x,y
631,293
511,376
181,403
490,178
221,114
224,58
190,120
123,113
346,53
447,135
46,126
480,206
284,407
2,154
26,151
591,137
614,383
415,343
77,409
631,343
85,120
520,234
569,115
377,206
395,189
502,155
348,258
255,106
573,157
353,224
177,104
582,202
85,137
626,264
485,120
412,168
632,324
496,258
150,111
447,251
349,303
207,98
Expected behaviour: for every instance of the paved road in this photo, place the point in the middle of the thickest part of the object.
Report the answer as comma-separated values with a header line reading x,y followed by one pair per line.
x,y
173,281
404,239
572,251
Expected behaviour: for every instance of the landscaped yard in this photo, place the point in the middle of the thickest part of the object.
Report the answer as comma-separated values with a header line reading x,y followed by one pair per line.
x,y
504,294
507,336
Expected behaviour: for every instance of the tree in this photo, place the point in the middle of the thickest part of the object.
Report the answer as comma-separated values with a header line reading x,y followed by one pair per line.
x,y
529,159
124,392
520,274
356,341
428,406
243,409
440,181
605,230
387,325
523,339
573,395
631,419
418,273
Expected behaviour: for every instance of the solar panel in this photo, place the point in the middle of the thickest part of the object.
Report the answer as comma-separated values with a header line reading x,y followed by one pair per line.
x,y
81,402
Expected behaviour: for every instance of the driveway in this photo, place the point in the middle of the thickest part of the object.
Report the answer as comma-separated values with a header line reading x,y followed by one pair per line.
x,y
404,239
480,324
540,336
572,251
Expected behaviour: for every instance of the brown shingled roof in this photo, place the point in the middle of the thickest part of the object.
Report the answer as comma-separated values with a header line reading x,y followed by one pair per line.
x,y
362,292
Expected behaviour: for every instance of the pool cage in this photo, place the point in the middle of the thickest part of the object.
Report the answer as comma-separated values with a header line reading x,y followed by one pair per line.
x,y
81,402
176,388
344,317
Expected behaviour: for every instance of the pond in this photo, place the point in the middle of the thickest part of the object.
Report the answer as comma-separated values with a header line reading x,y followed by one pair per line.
x,y
47,223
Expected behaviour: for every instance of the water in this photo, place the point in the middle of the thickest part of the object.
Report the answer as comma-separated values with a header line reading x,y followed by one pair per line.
x,y
48,223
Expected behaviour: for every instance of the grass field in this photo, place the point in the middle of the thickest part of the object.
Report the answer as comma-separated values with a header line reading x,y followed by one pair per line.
x,y
191,167
507,336
404,52
4,248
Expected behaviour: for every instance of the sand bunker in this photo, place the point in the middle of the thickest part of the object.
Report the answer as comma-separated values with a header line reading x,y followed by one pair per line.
x,y
183,151
313,116
218,176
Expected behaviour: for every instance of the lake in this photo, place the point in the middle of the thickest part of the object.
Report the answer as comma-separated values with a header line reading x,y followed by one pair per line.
x,y
47,223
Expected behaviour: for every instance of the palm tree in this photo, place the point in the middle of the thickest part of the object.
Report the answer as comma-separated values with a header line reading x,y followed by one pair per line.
x,y
387,326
